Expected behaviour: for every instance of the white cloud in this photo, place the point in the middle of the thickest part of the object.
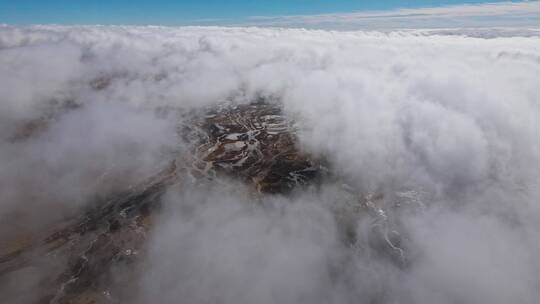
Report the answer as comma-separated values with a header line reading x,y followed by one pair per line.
x,y
449,123
504,14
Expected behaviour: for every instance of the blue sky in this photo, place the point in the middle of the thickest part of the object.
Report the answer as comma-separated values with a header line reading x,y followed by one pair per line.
x,y
184,12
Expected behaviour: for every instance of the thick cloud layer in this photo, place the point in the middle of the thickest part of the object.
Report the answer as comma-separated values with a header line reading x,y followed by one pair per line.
x,y
444,126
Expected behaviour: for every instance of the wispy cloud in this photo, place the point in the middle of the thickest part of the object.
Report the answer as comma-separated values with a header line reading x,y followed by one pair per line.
x,y
520,14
